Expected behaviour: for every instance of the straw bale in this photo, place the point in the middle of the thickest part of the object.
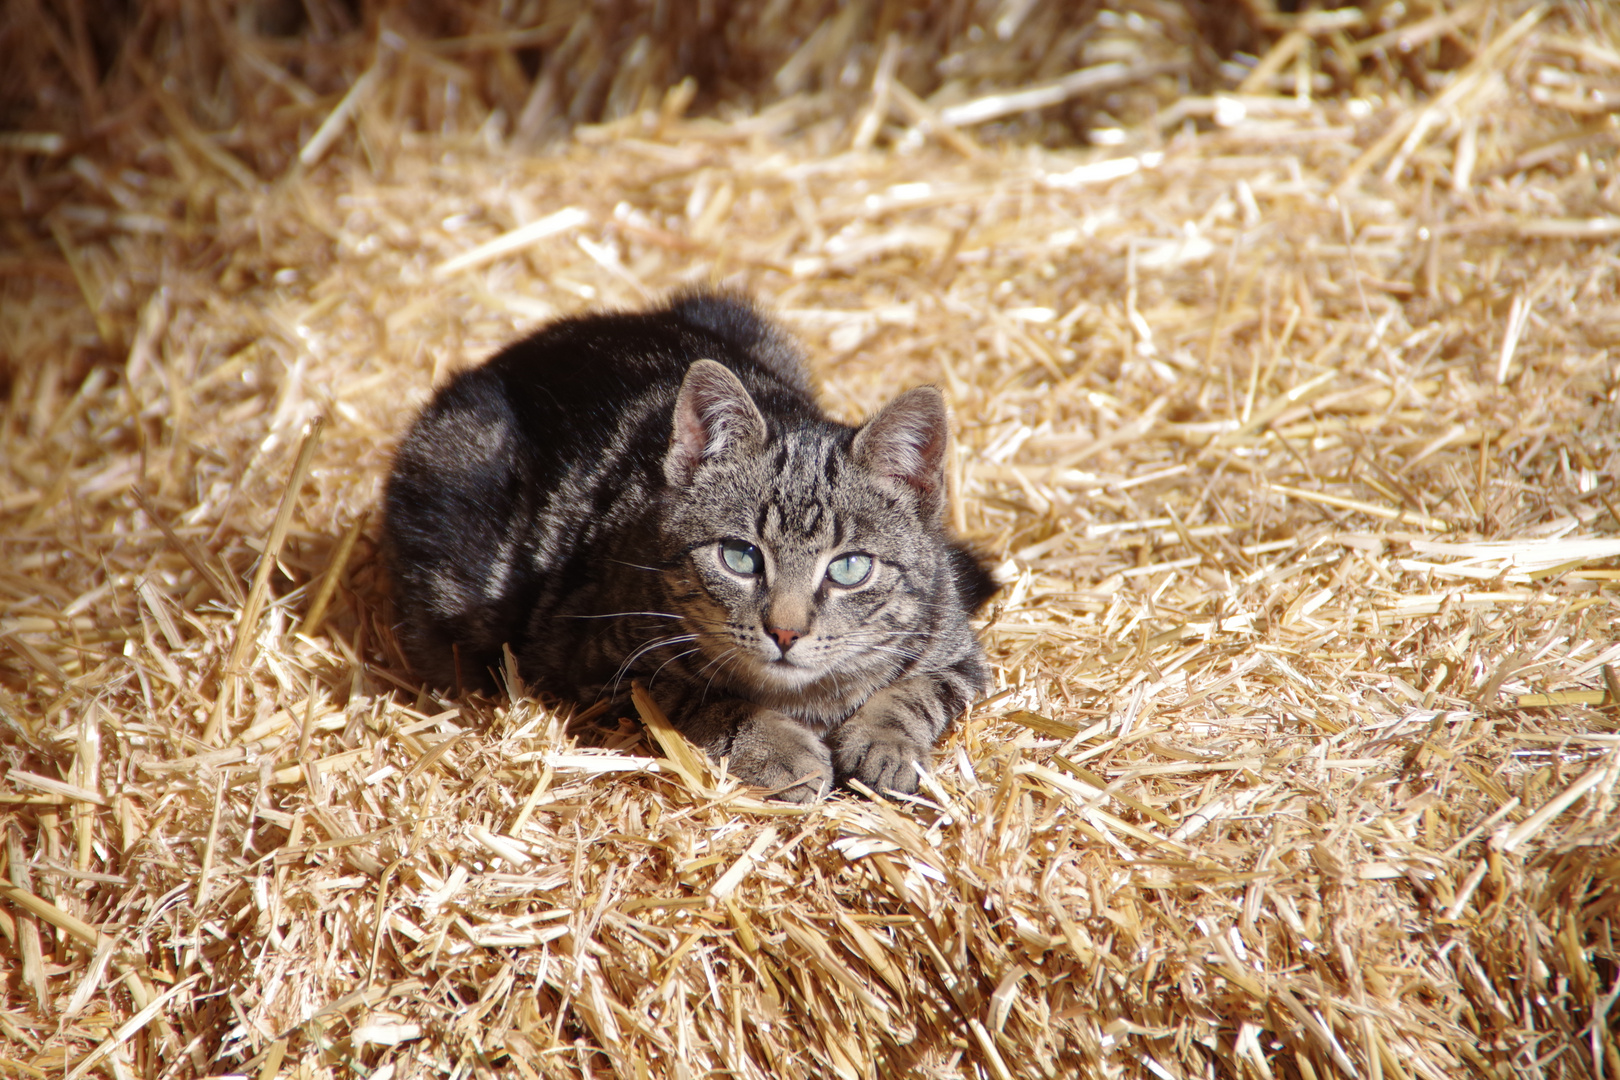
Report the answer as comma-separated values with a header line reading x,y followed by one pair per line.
x,y
1283,357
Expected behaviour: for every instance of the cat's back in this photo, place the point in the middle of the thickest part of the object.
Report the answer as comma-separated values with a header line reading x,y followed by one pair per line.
x,y
590,395
582,379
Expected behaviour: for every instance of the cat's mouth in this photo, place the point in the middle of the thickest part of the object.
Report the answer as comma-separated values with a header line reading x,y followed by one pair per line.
x,y
793,673
790,672
789,667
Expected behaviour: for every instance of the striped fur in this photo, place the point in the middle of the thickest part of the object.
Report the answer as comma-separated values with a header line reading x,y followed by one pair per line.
x,y
574,497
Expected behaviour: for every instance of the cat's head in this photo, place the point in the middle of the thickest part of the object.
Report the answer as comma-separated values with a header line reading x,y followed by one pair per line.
x,y
810,560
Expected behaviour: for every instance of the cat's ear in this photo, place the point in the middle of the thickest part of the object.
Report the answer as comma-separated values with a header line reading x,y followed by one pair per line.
x,y
713,415
906,441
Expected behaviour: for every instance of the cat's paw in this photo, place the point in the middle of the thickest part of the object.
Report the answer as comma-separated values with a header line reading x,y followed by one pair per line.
x,y
777,752
882,758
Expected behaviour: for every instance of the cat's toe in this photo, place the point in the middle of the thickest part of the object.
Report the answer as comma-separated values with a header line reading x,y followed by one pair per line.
x,y
783,755
884,763
808,792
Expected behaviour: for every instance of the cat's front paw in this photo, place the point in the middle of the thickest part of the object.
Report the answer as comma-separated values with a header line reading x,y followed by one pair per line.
x,y
882,758
777,752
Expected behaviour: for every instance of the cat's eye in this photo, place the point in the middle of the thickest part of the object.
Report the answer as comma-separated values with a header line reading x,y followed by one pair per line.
x,y
850,569
742,557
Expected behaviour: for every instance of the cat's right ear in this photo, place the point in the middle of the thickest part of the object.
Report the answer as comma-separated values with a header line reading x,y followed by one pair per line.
x,y
713,415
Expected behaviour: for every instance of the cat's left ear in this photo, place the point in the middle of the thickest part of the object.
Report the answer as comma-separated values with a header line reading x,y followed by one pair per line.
x,y
906,441
713,415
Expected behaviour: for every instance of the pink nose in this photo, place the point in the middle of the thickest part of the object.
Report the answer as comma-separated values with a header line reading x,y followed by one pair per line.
x,y
784,637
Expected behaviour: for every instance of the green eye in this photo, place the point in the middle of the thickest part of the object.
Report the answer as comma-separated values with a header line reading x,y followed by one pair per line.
x,y
851,569
742,557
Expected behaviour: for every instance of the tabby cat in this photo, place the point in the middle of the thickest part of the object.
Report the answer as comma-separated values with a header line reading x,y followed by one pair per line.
x,y
657,496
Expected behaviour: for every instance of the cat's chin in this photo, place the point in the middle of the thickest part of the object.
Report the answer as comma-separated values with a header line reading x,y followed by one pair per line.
x,y
813,695
785,675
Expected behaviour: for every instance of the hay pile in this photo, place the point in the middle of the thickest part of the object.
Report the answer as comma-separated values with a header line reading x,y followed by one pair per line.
x,y
1291,410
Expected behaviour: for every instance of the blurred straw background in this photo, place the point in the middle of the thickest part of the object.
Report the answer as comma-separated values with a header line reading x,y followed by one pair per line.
x,y
1284,349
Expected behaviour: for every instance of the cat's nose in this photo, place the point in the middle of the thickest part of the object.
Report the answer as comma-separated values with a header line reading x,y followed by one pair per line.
x,y
784,637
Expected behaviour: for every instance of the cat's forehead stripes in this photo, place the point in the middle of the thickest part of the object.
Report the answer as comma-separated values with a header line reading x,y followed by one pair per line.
x,y
797,506
786,517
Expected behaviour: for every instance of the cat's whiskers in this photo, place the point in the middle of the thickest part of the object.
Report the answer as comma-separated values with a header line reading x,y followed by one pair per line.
x,y
703,626
623,614
905,655
717,662
873,650
638,566
657,643
860,639
865,638
652,678
837,681
877,641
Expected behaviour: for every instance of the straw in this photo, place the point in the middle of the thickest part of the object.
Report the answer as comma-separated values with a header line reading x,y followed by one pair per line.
x,y
1282,356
